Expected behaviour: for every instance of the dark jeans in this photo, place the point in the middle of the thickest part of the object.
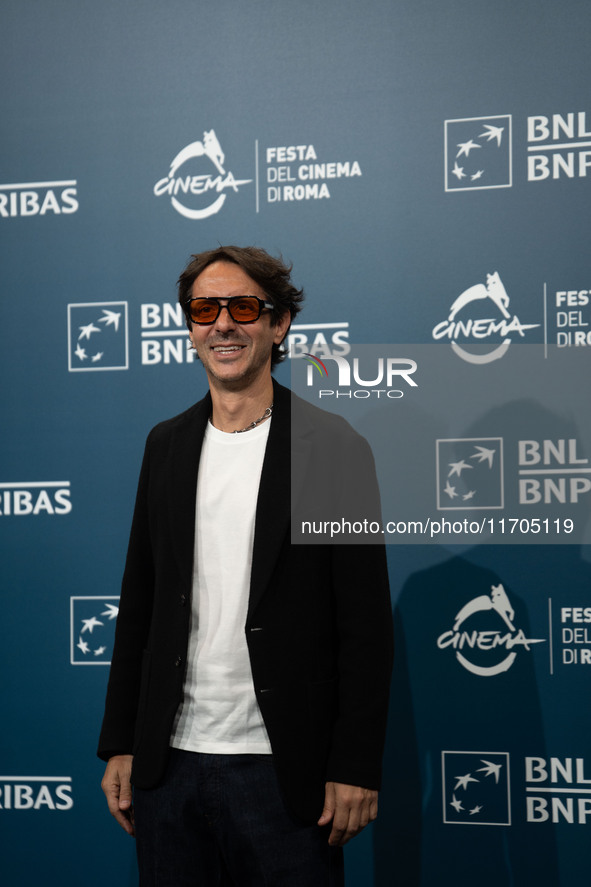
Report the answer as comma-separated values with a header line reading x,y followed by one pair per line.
x,y
220,820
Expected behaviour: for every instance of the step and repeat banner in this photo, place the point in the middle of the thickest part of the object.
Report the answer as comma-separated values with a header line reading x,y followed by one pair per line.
x,y
426,167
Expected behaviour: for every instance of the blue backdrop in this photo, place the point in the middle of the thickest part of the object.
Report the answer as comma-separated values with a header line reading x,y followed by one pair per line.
x,y
424,165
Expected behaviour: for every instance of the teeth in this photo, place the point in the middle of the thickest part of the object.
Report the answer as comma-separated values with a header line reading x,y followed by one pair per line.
x,y
225,348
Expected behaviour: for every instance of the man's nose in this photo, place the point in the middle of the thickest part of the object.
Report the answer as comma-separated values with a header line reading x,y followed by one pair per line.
x,y
224,320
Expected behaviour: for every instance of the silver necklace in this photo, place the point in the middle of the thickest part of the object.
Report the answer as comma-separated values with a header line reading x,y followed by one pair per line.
x,y
266,415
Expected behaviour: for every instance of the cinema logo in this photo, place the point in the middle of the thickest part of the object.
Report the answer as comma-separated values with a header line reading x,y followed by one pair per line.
x,y
558,790
484,635
558,146
38,199
195,190
552,471
480,315
19,498
36,793
377,376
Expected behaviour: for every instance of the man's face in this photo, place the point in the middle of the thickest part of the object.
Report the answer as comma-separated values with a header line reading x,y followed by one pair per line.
x,y
233,354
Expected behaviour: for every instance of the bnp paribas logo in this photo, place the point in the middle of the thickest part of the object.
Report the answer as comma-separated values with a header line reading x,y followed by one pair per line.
x,y
97,336
476,788
92,629
470,473
478,153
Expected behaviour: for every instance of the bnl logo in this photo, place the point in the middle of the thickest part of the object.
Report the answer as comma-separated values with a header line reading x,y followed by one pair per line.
x,y
478,153
469,473
97,336
92,629
476,788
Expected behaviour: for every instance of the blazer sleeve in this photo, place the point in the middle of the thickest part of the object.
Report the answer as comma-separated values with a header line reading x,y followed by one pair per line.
x,y
364,666
363,620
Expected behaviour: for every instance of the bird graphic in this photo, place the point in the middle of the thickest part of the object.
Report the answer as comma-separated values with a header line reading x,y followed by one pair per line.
x,y
494,132
463,781
482,454
458,467
86,331
466,147
111,318
490,769
89,624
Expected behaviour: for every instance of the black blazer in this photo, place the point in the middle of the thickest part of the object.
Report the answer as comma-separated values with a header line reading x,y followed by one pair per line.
x,y
318,626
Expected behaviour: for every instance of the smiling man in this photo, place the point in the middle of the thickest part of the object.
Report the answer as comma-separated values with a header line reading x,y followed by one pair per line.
x,y
249,684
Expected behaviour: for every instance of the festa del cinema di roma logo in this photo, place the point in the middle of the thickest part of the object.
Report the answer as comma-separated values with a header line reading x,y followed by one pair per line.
x,y
196,190
476,640
463,326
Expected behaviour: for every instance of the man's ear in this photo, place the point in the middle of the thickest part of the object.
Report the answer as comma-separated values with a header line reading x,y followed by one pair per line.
x,y
281,328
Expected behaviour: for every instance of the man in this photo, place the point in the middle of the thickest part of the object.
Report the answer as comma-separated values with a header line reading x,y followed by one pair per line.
x,y
249,683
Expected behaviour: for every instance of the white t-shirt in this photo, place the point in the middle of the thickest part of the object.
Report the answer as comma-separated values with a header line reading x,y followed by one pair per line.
x,y
220,712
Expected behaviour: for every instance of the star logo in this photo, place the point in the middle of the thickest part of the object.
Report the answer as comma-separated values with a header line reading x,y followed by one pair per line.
x,y
87,331
457,805
484,145
481,794
469,473
490,769
92,629
466,147
98,336
462,781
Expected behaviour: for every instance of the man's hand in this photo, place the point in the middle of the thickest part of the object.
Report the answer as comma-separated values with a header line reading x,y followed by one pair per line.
x,y
117,787
350,808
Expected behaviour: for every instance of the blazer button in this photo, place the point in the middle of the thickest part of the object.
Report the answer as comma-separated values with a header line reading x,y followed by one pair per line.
x,y
178,661
183,600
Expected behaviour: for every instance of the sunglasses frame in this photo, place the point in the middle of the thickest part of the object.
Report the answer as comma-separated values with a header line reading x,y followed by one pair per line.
x,y
261,303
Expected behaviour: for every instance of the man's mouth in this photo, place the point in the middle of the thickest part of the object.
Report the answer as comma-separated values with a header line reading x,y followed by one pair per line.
x,y
227,349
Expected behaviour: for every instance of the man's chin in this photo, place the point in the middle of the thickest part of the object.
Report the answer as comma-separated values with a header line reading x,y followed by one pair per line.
x,y
229,375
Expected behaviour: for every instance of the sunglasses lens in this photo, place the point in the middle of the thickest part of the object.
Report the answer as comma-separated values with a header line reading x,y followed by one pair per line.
x,y
244,309
203,310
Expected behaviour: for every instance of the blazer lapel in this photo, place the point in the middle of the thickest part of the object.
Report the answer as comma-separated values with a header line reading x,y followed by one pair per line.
x,y
272,521
184,455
